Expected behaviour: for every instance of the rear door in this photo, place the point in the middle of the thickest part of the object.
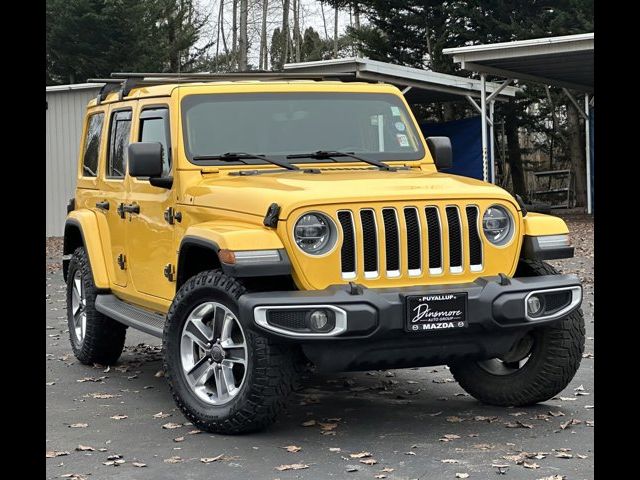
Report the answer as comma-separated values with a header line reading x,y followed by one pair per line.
x,y
113,188
150,232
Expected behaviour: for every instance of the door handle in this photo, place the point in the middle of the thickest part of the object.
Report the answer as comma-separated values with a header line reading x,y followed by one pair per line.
x,y
131,208
104,205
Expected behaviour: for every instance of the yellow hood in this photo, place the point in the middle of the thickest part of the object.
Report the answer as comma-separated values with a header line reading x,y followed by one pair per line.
x,y
253,194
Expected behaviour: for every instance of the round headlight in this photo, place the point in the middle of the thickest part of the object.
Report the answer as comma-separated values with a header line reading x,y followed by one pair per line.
x,y
497,225
314,233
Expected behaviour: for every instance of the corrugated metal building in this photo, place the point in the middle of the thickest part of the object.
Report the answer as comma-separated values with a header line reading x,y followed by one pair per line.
x,y
65,112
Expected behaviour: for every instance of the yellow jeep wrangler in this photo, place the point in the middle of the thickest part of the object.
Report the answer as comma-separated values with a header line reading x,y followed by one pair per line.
x,y
259,226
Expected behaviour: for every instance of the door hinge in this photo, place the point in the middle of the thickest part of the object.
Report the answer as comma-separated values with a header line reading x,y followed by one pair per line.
x,y
169,272
171,216
120,210
122,261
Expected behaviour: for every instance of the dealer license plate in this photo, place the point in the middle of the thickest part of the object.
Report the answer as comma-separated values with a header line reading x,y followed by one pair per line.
x,y
436,312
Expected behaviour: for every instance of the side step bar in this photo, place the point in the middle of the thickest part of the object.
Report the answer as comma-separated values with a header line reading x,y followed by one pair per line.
x,y
136,317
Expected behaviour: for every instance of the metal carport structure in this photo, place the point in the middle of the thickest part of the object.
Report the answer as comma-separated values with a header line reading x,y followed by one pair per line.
x,y
420,86
565,62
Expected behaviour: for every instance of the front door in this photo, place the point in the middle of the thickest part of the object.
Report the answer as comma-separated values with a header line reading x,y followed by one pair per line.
x,y
113,190
152,257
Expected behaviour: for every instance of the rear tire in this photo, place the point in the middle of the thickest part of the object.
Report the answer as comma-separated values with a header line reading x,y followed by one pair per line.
x,y
555,352
94,337
223,397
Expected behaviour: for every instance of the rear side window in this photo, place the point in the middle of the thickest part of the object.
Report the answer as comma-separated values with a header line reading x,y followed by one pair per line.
x,y
154,127
92,145
118,143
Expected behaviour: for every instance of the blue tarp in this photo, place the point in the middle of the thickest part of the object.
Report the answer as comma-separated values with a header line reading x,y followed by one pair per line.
x,y
592,114
466,143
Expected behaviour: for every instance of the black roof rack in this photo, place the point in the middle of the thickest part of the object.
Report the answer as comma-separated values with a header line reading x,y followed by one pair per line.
x,y
124,82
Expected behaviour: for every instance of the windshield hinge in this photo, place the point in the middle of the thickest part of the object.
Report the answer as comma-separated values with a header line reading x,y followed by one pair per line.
x,y
271,218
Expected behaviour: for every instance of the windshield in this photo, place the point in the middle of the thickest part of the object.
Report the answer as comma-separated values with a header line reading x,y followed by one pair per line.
x,y
376,126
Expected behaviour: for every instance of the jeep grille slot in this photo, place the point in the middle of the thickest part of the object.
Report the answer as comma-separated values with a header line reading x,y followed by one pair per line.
x,y
475,243
435,240
348,251
370,243
410,241
392,241
455,239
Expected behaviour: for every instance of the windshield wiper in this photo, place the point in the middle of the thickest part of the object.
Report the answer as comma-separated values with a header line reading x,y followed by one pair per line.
x,y
241,156
329,154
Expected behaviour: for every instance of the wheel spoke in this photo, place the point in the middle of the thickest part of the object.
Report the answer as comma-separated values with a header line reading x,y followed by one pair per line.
x,y
227,327
228,378
200,372
218,321
229,361
197,331
221,383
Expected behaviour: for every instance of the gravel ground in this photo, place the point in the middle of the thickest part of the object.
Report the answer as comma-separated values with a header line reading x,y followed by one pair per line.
x,y
399,424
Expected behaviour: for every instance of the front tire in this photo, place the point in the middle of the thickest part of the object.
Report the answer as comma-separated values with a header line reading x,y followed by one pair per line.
x,y
538,367
94,337
224,377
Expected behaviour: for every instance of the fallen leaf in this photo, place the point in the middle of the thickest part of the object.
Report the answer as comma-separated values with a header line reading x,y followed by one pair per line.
x,y
159,374
293,466
387,470
91,379
352,468
454,419
139,464
517,414
569,423
174,459
79,425
518,424
567,399
102,396
335,449
222,457
54,453
309,423
178,439
85,448
369,461
553,477
379,475
161,415
409,453
449,460
581,456
326,427
531,465
556,414
563,455
448,437
49,384
482,418
171,425
462,475
360,455
292,448
119,417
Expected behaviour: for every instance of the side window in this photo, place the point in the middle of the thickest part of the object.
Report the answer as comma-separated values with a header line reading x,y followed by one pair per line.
x,y
92,145
154,127
118,143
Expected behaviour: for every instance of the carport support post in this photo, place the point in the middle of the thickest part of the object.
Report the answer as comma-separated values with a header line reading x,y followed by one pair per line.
x,y
491,143
587,150
483,114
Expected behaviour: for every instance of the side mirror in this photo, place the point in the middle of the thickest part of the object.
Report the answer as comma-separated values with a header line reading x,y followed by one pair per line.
x,y
440,148
145,159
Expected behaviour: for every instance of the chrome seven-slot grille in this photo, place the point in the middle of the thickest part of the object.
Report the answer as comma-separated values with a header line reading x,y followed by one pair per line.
x,y
426,228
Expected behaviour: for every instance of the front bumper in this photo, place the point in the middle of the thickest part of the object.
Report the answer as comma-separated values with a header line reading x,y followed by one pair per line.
x,y
374,335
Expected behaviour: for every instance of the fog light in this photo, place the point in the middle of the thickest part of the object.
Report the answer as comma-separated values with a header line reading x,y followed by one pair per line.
x,y
534,305
318,320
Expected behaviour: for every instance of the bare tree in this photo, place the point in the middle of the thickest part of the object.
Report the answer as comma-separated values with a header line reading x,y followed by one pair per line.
x,y
335,33
285,31
297,37
243,45
324,21
234,30
263,62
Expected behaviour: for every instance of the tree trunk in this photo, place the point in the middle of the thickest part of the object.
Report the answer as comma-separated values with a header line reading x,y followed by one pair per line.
x,y
513,150
577,154
356,15
285,31
335,33
263,36
243,43
234,32
296,29
324,21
